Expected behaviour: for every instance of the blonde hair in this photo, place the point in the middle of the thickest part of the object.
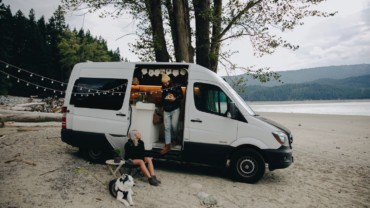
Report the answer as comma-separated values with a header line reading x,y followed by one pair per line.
x,y
132,136
165,78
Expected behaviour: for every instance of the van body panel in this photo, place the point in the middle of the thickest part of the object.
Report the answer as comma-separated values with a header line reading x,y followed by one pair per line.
x,y
211,134
257,131
203,153
205,127
102,120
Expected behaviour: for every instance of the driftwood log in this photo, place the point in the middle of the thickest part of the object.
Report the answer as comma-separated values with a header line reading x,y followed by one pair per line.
x,y
40,106
25,116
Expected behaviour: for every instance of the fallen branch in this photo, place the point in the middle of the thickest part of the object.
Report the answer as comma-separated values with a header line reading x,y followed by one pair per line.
x,y
50,171
20,160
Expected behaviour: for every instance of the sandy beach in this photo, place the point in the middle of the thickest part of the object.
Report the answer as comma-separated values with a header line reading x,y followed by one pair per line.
x,y
331,169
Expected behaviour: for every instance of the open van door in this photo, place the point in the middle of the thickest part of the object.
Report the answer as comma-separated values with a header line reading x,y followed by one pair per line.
x,y
97,108
99,102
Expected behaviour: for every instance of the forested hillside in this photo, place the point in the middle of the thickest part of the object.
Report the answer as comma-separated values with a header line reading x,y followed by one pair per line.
x,y
323,89
310,74
44,47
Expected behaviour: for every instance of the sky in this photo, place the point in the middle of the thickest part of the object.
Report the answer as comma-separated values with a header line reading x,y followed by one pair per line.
x,y
340,40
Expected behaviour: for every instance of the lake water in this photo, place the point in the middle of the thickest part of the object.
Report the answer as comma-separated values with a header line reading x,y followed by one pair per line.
x,y
343,107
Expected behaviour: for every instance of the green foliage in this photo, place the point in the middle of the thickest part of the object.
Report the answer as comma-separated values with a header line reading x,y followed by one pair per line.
x,y
260,21
50,48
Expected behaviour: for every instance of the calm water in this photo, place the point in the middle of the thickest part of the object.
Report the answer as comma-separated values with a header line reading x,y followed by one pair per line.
x,y
350,107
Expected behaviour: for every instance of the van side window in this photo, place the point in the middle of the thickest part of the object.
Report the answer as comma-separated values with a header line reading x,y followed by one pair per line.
x,y
210,99
99,93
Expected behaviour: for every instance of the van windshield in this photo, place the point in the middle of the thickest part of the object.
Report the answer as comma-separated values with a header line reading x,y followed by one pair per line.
x,y
239,99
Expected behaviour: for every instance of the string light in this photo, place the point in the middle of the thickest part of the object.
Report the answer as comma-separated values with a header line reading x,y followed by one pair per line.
x,y
111,91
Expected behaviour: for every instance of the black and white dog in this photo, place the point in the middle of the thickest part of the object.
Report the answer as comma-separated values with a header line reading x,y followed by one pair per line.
x,y
120,188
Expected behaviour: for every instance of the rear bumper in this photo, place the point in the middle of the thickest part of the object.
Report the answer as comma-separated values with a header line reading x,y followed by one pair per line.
x,y
279,158
84,139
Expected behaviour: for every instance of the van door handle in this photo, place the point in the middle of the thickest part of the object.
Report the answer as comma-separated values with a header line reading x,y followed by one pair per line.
x,y
196,120
120,114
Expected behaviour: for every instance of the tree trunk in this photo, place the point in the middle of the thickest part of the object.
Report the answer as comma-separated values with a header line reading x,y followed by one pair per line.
x,y
216,32
183,40
178,12
188,28
173,27
155,16
202,40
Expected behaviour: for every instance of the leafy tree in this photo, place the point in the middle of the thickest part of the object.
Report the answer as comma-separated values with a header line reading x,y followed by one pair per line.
x,y
43,48
166,25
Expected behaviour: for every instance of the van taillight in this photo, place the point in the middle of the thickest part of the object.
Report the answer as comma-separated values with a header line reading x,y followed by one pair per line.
x,y
64,117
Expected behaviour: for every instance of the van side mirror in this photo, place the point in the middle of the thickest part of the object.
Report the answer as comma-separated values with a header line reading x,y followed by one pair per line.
x,y
233,110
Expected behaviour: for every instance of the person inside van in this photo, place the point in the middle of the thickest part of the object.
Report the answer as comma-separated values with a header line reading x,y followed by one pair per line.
x,y
171,101
134,151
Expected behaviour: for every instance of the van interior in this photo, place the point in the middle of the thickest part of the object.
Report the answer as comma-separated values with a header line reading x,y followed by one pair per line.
x,y
146,107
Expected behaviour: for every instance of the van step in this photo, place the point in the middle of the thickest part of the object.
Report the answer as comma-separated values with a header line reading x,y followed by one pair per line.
x,y
171,155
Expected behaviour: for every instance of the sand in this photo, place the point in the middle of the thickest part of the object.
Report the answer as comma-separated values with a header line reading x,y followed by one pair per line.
x,y
331,169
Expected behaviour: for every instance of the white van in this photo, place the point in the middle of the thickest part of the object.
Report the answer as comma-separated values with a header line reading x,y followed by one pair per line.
x,y
217,127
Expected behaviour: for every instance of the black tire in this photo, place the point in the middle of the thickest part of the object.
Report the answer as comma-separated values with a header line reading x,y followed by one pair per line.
x,y
111,187
247,166
95,154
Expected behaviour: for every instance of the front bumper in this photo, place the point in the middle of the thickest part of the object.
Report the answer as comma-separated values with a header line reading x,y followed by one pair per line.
x,y
279,158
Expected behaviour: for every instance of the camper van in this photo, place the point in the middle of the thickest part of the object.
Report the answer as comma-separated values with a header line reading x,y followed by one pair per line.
x,y
104,101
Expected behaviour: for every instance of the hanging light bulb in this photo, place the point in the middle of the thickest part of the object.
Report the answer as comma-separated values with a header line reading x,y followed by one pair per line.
x,y
18,80
52,82
42,78
31,75
54,91
8,76
80,88
45,89
61,84
7,66
19,70
37,87
28,83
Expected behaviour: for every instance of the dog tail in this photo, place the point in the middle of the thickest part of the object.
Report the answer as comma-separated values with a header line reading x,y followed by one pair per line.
x,y
112,188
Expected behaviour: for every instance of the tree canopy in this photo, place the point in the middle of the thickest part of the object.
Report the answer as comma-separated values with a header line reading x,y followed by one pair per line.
x,y
197,30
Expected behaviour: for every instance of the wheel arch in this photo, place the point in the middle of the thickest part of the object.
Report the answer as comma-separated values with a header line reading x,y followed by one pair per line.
x,y
247,146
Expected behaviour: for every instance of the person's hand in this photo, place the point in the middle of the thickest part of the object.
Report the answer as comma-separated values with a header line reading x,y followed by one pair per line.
x,y
170,97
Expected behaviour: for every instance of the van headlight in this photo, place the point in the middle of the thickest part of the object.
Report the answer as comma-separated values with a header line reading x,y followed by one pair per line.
x,y
280,137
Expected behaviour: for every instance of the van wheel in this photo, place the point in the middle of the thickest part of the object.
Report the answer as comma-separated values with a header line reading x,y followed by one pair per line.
x,y
247,166
95,154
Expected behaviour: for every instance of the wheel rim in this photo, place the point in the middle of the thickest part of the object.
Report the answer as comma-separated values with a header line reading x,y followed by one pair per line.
x,y
247,167
95,154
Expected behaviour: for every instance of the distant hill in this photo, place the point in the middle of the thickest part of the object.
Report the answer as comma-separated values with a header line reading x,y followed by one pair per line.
x,y
312,74
322,89
322,83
